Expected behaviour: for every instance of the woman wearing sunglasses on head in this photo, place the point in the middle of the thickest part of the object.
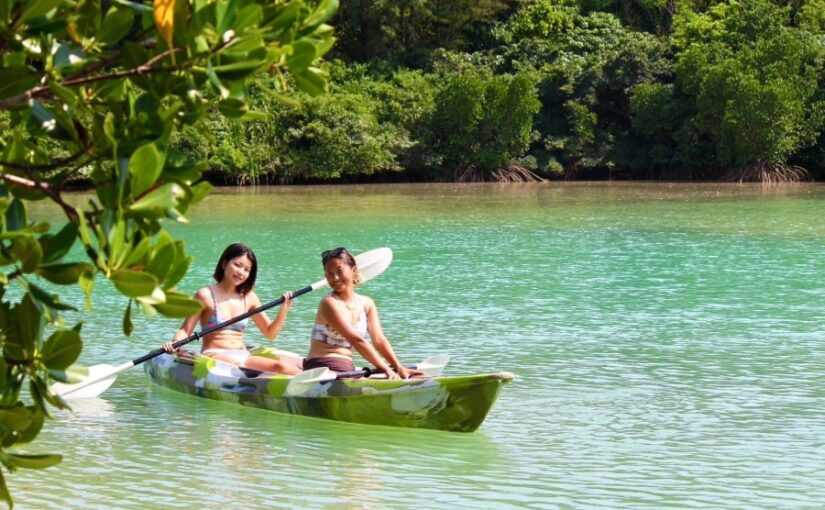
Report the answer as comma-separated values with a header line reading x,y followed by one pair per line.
x,y
231,296
343,320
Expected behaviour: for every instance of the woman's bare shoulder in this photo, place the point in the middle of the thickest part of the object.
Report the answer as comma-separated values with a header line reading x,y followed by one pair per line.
x,y
368,302
252,300
204,294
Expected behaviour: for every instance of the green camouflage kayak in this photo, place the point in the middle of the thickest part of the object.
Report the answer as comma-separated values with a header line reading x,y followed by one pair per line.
x,y
453,403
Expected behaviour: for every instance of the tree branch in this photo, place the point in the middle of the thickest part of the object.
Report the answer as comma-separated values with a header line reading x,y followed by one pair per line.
x,y
42,168
52,193
145,68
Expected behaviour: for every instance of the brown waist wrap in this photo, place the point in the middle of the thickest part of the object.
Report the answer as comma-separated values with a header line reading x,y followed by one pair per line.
x,y
331,362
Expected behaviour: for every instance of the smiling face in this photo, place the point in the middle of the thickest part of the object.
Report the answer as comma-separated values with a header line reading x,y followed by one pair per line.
x,y
237,266
237,270
339,274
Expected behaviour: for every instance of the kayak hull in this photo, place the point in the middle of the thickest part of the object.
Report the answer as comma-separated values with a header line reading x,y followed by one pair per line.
x,y
454,403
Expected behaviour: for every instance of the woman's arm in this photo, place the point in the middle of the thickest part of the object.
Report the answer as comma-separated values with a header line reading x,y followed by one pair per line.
x,y
270,329
332,315
380,342
190,322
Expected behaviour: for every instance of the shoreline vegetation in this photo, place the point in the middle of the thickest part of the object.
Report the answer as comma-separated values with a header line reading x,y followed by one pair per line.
x,y
531,90
545,89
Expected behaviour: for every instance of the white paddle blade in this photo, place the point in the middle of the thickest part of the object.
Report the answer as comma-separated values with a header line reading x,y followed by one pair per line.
x,y
434,365
370,263
99,379
302,382
374,262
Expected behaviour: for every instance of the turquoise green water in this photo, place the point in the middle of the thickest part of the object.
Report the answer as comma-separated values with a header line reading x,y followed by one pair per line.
x,y
667,342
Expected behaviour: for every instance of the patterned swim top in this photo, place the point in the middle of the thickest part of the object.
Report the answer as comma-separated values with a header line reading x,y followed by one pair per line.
x,y
326,334
214,319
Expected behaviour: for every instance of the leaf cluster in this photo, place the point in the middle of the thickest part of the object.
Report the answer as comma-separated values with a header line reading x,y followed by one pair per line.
x,y
98,90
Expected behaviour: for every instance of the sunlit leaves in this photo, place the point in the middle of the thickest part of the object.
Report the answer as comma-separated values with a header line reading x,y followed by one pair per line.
x,y
97,89
115,25
61,349
145,165
134,284
164,14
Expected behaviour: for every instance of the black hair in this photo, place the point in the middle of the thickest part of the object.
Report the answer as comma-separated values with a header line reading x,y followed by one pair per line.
x,y
233,251
343,254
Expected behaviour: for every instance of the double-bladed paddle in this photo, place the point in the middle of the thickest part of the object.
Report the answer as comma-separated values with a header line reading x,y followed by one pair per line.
x,y
371,264
300,383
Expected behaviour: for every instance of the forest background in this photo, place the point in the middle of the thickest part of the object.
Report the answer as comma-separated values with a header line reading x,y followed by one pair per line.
x,y
461,90
467,90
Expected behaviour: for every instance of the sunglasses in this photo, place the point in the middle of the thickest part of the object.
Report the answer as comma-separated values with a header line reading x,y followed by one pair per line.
x,y
329,254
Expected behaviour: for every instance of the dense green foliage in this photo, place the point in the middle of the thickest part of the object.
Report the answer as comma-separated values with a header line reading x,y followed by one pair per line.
x,y
97,90
607,88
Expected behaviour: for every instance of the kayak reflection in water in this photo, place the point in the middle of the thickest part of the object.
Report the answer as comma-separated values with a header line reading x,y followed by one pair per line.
x,y
344,318
231,296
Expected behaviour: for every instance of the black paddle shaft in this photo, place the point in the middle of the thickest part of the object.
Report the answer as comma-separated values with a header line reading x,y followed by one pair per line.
x,y
216,327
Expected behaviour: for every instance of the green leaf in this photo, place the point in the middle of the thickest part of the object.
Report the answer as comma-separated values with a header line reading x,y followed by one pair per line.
x,y
87,283
281,98
16,215
248,17
199,192
156,297
160,202
61,349
118,248
286,16
28,327
225,15
16,80
238,70
4,491
27,250
178,271
72,375
64,274
28,434
35,8
179,305
303,54
322,13
115,25
134,284
313,81
215,81
57,246
40,391
41,461
50,300
128,326
15,418
162,261
138,253
145,165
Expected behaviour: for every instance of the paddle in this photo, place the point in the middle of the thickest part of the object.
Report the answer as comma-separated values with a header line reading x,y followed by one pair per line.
x,y
371,264
300,383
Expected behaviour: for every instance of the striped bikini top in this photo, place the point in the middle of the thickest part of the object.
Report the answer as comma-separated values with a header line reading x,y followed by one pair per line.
x,y
326,334
214,319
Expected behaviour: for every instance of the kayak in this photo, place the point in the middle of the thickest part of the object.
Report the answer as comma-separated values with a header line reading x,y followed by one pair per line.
x,y
452,403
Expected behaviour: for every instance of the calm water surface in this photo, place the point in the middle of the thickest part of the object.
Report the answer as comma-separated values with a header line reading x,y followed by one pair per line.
x,y
667,342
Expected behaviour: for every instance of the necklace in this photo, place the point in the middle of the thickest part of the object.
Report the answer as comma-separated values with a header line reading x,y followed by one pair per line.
x,y
350,307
